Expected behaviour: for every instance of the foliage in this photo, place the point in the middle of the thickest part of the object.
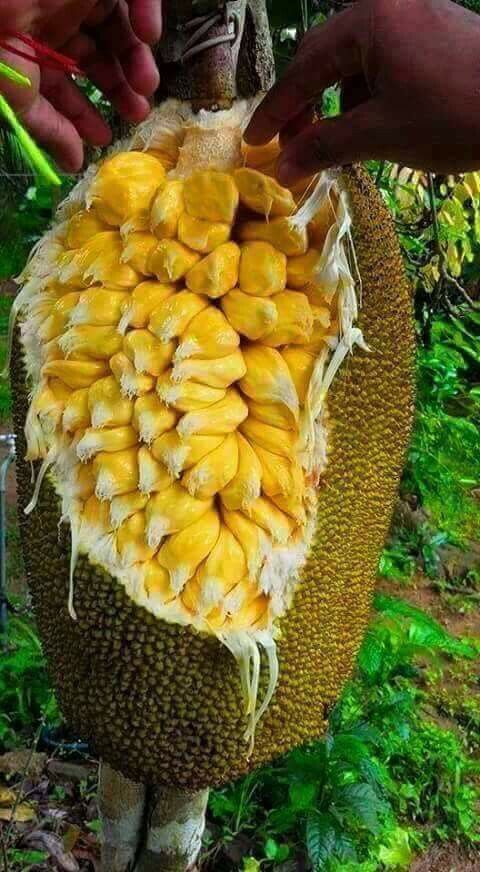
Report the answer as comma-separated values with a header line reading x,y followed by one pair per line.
x,y
5,304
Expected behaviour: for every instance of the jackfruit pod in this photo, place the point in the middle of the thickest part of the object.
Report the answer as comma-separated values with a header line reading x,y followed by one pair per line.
x,y
147,353
323,220
125,185
268,378
273,439
107,406
183,552
179,454
116,473
295,320
263,194
187,396
254,615
211,474
83,226
276,523
167,208
219,373
320,332
55,324
171,318
99,262
153,476
246,484
262,157
263,269
144,299
95,518
170,511
76,413
156,582
151,418
300,364
245,592
217,273
81,482
97,342
319,294
224,567
212,196
132,383
76,373
221,418
253,317
170,260
131,542
293,507
281,233
208,335
99,307
275,414
114,439
280,476
47,409
123,507
137,251
202,236
250,536
301,269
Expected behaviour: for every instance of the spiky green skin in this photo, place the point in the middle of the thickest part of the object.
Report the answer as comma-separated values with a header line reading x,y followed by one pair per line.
x,y
162,703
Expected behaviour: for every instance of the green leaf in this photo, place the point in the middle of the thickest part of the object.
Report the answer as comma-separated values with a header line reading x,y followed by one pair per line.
x,y
302,795
362,801
321,839
251,865
396,853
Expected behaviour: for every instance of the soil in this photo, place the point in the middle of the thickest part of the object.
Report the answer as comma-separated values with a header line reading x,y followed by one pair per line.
x,y
448,858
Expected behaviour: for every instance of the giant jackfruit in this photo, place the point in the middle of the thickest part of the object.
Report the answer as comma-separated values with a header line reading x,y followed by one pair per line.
x,y
221,429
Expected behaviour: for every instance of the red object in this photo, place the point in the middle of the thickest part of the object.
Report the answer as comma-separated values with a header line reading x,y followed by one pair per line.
x,y
41,54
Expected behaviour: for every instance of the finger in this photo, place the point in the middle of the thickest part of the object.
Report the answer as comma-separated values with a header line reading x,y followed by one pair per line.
x,y
67,99
358,135
100,12
146,19
296,125
327,54
55,133
116,35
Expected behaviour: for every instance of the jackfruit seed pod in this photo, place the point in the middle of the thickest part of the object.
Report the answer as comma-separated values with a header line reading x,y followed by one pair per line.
x,y
295,320
274,439
183,552
131,543
59,317
300,364
107,405
208,335
279,474
262,194
251,316
123,507
187,396
147,353
76,414
319,294
151,418
179,454
202,236
263,269
83,226
99,307
221,418
268,378
156,582
320,334
125,185
244,593
253,615
281,233
275,414
81,483
137,251
145,298
217,273
224,567
250,536
116,473
132,383
171,318
95,518
170,511
323,221
293,507
48,410
214,471
167,208
246,484
105,266
114,439
212,196
262,157
153,476
301,269
97,342
171,260
266,515
219,373
76,373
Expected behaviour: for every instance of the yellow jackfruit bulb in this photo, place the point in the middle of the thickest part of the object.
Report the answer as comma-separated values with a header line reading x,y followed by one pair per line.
x,y
126,505
151,418
187,396
246,484
300,364
275,414
171,318
318,294
143,300
262,157
116,472
132,383
107,406
167,208
320,333
212,196
48,409
218,373
59,317
156,582
183,552
208,335
76,414
179,454
263,194
153,476
82,226
111,439
137,251
252,615
99,307
274,439
125,185
221,418
170,260
202,236
147,353
99,261
279,474
263,269
250,536
131,543
282,233
251,316
224,567
292,506
76,373
217,273
82,482
268,378
295,320
301,269
211,474
170,511
97,342
323,221
96,517
275,522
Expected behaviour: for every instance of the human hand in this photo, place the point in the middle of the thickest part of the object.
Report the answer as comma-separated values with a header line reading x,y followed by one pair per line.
x,y
411,78
110,40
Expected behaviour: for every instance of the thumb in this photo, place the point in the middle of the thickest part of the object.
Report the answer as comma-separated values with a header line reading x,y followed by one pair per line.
x,y
353,136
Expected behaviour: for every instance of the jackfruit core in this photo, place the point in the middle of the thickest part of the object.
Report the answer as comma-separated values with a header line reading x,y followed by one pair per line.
x,y
181,325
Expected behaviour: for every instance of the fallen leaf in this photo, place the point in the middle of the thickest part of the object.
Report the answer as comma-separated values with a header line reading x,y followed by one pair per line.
x,y
7,796
19,761
21,815
70,837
